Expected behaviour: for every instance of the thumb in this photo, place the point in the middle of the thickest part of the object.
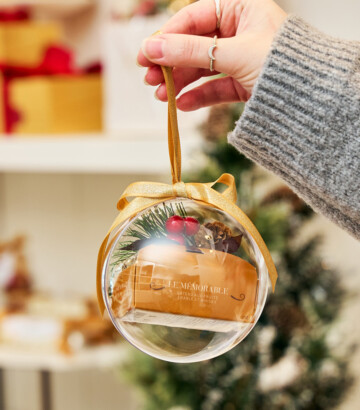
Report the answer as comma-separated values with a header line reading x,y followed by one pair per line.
x,y
182,50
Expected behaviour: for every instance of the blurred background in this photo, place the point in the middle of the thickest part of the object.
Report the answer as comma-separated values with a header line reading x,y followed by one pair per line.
x,y
77,126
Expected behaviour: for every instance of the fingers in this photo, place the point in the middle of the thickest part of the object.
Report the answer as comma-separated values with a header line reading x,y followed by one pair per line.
x,y
141,60
197,18
181,50
221,90
154,75
182,78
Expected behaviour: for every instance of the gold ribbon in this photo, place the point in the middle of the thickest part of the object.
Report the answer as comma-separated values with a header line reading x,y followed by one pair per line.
x,y
147,194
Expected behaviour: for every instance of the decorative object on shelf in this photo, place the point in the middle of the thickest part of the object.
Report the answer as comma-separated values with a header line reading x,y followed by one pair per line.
x,y
11,14
182,272
23,43
63,104
15,279
49,324
68,100
33,321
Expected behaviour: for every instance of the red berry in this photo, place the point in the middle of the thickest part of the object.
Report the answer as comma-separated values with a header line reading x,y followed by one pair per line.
x,y
175,224
176,237
192,226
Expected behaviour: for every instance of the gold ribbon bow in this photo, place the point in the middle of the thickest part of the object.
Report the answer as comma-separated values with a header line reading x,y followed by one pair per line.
x,y
147,194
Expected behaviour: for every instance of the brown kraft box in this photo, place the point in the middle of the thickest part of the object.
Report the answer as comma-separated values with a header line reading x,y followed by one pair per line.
x,y
171,279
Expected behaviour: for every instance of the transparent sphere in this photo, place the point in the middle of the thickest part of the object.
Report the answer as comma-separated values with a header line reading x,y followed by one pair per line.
x,y
183,281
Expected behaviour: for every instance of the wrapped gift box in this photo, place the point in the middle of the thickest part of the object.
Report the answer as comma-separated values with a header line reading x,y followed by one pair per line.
x,y
56,104
24,43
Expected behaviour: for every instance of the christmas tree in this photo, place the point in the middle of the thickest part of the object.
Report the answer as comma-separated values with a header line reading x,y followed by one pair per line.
x,y
288,360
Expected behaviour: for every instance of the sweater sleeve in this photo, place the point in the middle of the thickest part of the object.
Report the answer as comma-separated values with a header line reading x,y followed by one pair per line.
x,y
302,121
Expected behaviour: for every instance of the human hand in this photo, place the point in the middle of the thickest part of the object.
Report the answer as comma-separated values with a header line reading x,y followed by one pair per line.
x,y
247,29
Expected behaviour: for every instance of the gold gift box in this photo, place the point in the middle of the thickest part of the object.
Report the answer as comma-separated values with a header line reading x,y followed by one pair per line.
x,y
57,104
172,280
24,43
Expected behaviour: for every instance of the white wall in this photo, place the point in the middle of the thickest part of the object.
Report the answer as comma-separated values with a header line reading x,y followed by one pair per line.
x,y
65,217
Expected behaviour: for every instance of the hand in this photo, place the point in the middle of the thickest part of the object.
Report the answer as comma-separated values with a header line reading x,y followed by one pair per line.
x,y
247,29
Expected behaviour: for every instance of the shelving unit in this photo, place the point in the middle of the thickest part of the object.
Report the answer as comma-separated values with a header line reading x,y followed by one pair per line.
x,y
94,153
46,365
61,192
101,357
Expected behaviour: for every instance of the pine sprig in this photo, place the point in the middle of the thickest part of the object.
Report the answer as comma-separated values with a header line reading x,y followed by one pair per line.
x,y
150,225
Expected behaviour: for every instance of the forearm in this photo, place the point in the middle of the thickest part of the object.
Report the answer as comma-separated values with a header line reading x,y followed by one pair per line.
x,y
303,120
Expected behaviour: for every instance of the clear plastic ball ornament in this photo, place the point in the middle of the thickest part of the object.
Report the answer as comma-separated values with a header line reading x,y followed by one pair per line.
x,y
183,281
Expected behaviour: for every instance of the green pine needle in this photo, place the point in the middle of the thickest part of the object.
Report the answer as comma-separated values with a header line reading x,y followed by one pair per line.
x,y
150,225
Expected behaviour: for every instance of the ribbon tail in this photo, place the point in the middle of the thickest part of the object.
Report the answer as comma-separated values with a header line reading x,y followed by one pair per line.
x,y
100,263
228,180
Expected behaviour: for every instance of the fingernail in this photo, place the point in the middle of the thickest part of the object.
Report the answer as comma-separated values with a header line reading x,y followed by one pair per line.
x,y
155,95
153,48
138,64
145,82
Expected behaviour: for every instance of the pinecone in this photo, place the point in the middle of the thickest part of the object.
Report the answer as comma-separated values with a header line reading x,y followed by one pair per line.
x,y
219,231
219,236
213,232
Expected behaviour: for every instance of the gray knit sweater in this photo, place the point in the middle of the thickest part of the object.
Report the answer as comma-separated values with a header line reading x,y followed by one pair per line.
x,y
303,120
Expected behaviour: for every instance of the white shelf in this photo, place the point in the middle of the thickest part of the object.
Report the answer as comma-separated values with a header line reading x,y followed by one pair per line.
x,y
102,357
92,154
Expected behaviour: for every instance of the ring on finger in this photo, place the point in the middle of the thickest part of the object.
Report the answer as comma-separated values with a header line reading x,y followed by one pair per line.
x,y
211,53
